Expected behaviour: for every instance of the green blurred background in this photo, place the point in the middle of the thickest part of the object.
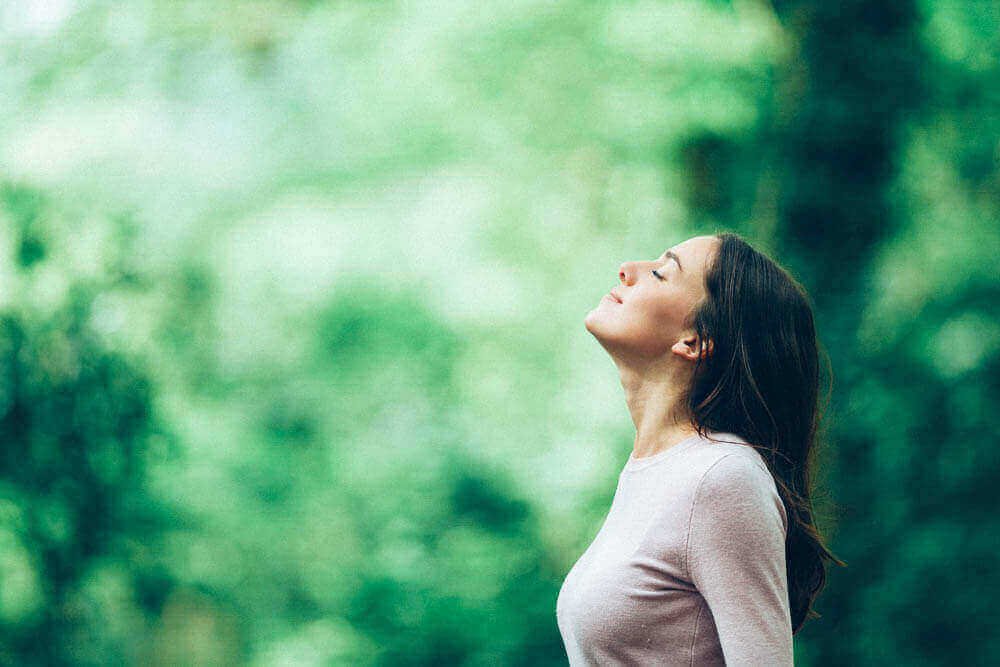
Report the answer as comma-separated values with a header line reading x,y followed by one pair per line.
x,y
293,368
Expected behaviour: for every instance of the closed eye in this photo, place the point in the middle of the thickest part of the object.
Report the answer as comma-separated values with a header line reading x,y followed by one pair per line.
x,y
658,276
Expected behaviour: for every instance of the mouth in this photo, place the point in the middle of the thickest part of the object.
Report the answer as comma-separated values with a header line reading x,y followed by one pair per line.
x,y
614,297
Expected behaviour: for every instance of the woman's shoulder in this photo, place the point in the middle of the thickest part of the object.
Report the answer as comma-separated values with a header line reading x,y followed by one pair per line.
x,y
729,471
738,453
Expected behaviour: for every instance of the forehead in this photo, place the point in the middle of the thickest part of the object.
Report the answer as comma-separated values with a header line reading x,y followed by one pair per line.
x,y
696,252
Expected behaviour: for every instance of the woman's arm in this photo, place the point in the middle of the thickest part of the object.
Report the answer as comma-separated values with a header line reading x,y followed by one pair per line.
x,y
736,560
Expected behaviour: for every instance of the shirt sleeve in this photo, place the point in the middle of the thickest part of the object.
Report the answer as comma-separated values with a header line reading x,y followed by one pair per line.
x,y
736,560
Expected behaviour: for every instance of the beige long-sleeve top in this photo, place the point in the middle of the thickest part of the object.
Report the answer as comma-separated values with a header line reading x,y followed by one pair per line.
x,y
688,567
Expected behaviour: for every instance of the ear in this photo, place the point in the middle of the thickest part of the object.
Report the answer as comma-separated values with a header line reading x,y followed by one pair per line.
x,y
691,347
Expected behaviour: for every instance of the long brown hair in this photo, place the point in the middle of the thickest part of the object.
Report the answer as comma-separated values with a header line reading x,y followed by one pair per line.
x,y
761,382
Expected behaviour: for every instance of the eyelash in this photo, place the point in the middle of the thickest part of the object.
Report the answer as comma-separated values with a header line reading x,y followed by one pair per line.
x,y
658,276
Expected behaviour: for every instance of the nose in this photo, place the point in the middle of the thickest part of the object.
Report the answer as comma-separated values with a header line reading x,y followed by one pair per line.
x,y
624,273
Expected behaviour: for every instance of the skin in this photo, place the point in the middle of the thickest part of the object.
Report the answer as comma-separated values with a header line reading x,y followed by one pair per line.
x,y
646,338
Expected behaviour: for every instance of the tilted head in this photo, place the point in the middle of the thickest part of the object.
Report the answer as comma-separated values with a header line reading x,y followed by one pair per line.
x,y
649,314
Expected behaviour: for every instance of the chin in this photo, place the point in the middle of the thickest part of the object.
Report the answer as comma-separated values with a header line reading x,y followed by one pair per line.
x,y
591,320
593,323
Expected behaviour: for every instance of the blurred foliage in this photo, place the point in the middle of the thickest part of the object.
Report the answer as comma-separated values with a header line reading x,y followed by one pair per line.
x,y
79,529
292,364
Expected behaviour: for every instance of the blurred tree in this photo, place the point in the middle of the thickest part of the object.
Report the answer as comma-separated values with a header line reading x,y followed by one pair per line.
x,y
864,88
843,108
455,568
79,529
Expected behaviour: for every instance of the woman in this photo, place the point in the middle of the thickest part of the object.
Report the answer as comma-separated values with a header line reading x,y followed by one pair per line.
x,y
709,554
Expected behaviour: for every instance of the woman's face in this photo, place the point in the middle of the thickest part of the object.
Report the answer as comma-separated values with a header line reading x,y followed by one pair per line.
x,y
649,320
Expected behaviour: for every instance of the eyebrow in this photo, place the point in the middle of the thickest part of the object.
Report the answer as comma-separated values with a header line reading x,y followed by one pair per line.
x,y
670,255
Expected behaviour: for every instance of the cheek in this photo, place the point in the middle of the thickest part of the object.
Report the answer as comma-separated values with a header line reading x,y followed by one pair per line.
x,y
668,317
656,317
669,309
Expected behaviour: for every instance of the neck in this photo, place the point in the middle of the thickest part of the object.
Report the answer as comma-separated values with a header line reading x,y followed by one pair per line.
x,y
655,403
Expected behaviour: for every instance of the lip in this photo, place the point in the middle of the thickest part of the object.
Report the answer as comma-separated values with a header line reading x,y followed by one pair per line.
x,y
614,297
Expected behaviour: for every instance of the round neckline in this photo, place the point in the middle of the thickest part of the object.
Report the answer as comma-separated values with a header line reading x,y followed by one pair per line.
x,y
634,464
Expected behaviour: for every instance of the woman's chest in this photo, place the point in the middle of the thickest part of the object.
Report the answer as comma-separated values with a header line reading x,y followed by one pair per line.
x,y
611,601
